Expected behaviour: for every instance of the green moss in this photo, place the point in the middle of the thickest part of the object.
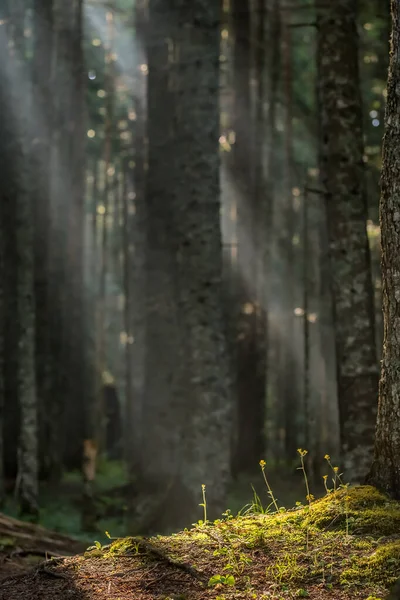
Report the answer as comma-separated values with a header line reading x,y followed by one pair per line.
x,y
381,567
360,510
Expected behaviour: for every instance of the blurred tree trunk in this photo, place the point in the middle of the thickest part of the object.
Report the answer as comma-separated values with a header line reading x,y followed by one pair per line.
x,y
41,155
17,198
260,211
342,174
134,252
101,419
77,338
161,413
250,350
271,231
207,391
291,383
385,472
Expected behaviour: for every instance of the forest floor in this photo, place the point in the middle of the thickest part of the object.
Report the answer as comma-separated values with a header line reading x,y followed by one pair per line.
x,y
343,546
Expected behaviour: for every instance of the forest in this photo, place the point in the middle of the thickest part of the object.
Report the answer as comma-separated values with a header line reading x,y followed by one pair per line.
x,y
199,299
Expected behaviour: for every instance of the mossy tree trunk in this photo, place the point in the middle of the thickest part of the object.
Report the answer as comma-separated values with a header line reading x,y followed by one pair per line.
x,y
385,472
342,174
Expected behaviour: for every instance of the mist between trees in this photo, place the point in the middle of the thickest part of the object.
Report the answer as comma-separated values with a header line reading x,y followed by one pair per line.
x,y
190,253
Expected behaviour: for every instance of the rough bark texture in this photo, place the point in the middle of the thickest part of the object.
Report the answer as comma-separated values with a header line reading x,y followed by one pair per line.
x,y
206,441
342,174
385,472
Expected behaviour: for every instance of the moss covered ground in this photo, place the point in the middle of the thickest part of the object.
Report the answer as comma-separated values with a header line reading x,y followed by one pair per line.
x,y
343,546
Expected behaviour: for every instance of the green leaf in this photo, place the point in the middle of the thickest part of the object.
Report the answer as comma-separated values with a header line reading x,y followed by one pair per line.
x,y
214,580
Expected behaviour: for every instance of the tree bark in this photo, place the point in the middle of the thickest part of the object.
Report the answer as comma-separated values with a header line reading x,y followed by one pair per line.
x,y
196,203
385,472
342,174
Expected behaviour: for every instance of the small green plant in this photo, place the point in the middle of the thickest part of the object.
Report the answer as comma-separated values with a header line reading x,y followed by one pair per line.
x,y
309,496
337,477
263,465
222,580
204,504
301,593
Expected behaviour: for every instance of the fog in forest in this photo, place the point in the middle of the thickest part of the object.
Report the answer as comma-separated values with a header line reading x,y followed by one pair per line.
x,y
194,294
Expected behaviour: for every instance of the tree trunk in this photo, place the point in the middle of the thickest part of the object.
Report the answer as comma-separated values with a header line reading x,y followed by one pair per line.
x,y
196,203
161,414
42,80
385,473
342,174
251,379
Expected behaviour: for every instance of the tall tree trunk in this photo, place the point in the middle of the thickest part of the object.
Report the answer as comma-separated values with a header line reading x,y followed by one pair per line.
x,y
385,473
287,234
15,188
251,393
104,252
41,153
342,174
161,414
196,204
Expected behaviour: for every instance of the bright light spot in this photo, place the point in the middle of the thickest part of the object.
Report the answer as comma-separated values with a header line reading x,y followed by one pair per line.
x,y
125,135
299,312
368,26
223,142
232,137
365,158
109,17
224,34
144,68
123,338
91,133
132,210
296,240
131,196
114,57
131,164
384,93
370,58
101,209
92,75
373,114
27,33
248,308
132,115
122,124
376,122
313,172
296,192
96,42
312,318
101,93
110,171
